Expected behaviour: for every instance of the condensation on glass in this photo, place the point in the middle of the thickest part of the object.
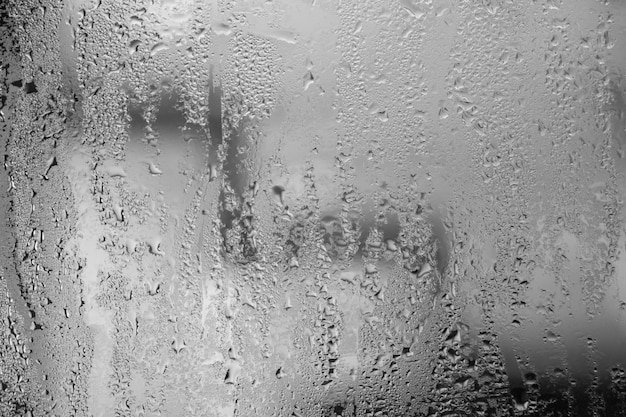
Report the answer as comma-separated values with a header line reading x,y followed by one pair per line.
x,y
313,208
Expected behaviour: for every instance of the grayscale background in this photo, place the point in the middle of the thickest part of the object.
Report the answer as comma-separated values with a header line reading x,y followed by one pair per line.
x,y
312,208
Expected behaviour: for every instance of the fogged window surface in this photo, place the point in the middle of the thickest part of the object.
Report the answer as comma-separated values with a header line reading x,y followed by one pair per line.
x,y
313,208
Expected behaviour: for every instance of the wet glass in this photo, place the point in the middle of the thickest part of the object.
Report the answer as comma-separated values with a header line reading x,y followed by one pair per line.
x,y
313,208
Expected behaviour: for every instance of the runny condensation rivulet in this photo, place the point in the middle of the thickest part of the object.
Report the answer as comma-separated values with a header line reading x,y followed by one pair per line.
x,y
312,208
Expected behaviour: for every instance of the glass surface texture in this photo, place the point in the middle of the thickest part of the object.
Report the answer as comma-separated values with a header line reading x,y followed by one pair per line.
x,y
312,208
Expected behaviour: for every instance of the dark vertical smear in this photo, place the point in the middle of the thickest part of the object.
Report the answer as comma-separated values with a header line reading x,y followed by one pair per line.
x,y
236,174
617,120
512,368
366,223
69,58
170,118
233,209
391,229
443,243
215,114
216,139
137,123
234,168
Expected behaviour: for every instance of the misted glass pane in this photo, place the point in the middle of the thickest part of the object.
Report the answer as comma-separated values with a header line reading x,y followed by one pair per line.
x,y
313,208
